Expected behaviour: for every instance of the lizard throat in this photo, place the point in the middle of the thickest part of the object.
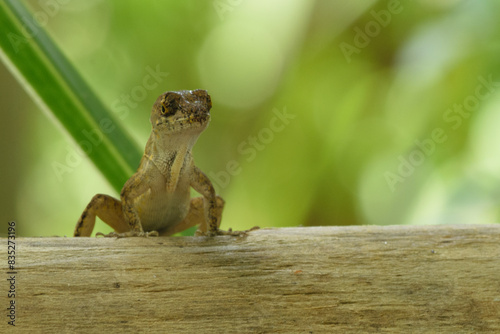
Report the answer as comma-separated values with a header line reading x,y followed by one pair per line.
x,y
185,124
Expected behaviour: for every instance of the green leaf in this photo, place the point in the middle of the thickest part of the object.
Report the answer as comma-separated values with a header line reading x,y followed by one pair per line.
x,y
55,85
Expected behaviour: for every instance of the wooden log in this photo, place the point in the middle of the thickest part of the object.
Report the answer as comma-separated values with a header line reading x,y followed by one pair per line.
x,y
395,279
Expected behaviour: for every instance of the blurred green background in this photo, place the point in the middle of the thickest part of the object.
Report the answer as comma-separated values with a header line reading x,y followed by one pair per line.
x,y
324,112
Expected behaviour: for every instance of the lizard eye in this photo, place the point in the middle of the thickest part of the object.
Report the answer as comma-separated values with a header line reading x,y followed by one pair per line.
x,y
169,105
167,109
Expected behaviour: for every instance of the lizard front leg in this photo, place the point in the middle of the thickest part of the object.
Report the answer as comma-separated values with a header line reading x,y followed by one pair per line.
x,y
201,183
212,211
108,209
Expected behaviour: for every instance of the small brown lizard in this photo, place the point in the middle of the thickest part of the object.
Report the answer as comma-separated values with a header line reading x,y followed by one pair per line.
x,y
156,200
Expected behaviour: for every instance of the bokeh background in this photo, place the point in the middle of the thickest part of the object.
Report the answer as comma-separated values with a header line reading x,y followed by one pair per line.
x,y
324,112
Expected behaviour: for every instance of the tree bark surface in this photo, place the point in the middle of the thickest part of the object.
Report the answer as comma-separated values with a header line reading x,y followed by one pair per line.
x,y
363,279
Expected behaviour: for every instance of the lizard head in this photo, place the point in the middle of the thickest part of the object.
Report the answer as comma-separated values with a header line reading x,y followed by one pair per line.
x,y
182,111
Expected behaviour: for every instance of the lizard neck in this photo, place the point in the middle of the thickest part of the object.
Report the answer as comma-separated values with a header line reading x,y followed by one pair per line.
x,y
171,154
160,145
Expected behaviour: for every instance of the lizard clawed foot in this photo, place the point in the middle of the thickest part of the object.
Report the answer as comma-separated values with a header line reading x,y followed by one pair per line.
x,y
128,234
228,232
236,233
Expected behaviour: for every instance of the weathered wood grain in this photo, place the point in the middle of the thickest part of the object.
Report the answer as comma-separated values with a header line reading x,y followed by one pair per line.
x,y
427,279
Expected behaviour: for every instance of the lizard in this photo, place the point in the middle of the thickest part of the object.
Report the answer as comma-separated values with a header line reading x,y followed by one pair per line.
x,y
156,200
